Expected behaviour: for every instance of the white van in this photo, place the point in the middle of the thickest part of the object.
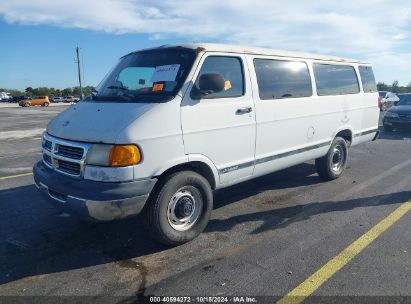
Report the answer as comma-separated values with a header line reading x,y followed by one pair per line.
x,y
4,96
170,124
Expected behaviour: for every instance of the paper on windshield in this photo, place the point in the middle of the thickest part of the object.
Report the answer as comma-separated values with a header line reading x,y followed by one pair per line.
x,y
165,73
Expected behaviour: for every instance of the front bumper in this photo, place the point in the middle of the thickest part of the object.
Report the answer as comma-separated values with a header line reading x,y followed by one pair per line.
x,y
92,200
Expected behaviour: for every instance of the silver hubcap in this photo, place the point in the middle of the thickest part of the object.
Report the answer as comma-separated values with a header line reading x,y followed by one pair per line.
x,y
338,159
183,210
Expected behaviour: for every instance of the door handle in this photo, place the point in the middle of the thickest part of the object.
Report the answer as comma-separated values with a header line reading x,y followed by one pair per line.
x,y
244,110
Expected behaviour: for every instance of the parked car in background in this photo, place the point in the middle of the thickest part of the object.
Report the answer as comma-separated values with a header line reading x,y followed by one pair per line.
x,y
4,96
17,99
57,99
387,99
71,99
398,116
35,101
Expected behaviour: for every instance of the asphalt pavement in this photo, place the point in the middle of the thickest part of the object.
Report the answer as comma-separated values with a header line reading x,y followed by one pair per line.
x,y
267,237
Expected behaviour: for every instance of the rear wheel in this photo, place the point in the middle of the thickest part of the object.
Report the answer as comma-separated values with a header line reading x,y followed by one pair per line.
x,y
179,208
332,165
46,104
27,104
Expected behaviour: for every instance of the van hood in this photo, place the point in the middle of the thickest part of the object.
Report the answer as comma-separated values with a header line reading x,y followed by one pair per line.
x,y
96,122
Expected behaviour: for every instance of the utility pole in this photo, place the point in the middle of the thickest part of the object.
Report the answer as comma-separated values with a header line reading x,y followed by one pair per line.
x,y
79,72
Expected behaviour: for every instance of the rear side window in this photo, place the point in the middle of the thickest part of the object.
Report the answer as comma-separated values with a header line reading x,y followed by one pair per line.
x,y
335,79
282,79
231,68
367,79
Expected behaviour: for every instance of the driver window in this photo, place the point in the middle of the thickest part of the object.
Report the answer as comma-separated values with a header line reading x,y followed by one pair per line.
x,y
231,69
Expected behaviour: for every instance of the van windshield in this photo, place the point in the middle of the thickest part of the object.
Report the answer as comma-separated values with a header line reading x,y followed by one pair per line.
x,y
147,76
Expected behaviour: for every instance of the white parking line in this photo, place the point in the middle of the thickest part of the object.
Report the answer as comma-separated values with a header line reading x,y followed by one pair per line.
x,y
20,133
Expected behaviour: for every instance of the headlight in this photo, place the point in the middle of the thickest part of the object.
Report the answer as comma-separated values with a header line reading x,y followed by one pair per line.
x,y
98,155
113,155
391,114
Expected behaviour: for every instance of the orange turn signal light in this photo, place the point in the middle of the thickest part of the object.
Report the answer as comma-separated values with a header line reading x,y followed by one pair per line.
x,y
124,155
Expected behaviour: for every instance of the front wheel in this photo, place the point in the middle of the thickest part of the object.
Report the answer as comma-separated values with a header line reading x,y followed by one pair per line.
x,y
179,208
332,165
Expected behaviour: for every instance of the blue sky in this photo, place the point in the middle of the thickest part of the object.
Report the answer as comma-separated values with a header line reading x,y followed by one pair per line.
x,y
42,55
38,37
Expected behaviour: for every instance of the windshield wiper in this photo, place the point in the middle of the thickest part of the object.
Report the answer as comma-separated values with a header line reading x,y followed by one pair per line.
x,y
117,87
153,94
122,97
129,96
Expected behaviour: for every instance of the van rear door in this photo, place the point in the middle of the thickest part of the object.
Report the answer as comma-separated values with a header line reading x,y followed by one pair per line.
x,y
221,126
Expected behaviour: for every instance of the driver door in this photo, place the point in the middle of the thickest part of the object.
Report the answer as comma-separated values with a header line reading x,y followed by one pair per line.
x,y
221,125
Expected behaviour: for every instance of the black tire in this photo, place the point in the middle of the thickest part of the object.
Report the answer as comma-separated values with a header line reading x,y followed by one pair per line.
x,y
388,128
332,165
182,189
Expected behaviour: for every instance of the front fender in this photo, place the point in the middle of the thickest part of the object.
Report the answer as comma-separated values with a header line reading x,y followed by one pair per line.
x,y
188,159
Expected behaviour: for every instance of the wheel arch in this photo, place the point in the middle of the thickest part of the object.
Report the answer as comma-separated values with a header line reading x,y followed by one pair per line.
x,y
346,133
200,165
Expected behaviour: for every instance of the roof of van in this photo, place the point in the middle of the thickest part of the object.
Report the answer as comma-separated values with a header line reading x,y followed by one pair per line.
x,y
226,48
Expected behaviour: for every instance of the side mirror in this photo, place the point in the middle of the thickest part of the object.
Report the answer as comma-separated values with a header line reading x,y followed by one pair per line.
x,y
208,84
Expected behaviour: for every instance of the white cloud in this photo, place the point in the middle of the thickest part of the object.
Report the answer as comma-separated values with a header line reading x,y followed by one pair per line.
x,y
155,36
360,29
396,64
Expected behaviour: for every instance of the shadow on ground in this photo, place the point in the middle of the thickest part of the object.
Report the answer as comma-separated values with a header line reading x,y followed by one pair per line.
x,y
34,240
400,134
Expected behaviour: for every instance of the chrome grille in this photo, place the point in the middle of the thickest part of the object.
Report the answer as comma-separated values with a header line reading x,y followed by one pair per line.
x,y
68,167
64,156
47,145
70,151
47,159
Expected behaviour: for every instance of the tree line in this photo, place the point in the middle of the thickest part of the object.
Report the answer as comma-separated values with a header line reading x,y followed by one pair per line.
x,y
394,87
45,91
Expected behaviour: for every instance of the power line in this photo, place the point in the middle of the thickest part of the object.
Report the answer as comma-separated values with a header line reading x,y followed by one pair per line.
x,y
79,71
82,67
